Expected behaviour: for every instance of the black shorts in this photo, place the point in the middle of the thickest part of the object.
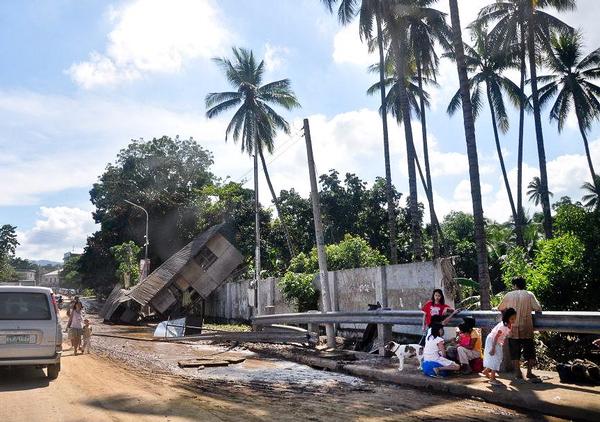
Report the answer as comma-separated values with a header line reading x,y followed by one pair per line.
x,y
515,345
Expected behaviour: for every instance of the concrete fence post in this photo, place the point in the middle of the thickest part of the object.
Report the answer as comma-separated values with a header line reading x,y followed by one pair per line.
x,y
384,331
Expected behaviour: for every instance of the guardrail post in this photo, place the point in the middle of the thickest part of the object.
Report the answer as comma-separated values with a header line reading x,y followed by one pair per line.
x,y
384,331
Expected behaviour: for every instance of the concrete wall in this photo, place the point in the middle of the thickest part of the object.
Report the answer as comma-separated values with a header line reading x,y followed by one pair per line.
x,y
399,287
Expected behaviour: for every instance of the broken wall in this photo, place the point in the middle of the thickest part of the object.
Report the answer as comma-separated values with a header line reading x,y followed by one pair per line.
x,y
400,287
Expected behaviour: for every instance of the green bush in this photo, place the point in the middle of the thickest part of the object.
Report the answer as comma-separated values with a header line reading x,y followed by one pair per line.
x,y
297,283
298,288
561,277
557,275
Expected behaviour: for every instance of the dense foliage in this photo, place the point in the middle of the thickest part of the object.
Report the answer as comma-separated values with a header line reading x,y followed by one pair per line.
x,y
297,284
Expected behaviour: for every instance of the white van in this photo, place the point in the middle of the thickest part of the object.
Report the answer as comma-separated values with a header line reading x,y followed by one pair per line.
x,y
30,330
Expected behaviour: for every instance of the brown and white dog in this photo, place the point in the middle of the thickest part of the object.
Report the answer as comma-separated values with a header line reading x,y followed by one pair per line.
x,y
404,351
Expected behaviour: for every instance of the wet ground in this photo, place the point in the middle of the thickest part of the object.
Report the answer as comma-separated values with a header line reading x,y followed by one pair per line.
x,y
266,387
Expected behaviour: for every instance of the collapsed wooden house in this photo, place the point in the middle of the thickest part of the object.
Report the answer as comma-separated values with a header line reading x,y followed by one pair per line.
x,y
188,276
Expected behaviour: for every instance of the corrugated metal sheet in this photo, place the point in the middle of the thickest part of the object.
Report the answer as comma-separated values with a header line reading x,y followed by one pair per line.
x,y
116,297
163,275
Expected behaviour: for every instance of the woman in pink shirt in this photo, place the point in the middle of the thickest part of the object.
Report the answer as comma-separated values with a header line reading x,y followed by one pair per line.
x,y
492,356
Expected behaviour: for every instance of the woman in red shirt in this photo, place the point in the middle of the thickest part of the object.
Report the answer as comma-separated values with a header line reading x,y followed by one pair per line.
x,y
435,307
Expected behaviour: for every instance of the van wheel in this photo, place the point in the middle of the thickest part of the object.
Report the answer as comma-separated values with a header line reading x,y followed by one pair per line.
x,y
53,371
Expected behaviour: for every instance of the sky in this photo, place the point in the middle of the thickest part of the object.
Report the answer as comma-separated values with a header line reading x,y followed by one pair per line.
x,y
80,78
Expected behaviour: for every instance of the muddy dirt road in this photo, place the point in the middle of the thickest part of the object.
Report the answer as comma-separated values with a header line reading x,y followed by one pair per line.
x,y
138,381
92,388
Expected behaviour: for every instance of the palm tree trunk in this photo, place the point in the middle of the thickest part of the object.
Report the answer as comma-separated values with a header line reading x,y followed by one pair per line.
x,y
500,155
538,122
434,220
391,208
415,225
256,232
482,258
288,238
520,217
429,187
587,153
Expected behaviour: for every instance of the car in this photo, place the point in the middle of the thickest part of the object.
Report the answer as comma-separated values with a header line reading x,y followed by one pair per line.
x,y
30,329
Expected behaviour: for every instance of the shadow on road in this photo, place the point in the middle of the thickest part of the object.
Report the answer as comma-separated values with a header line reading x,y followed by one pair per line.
x,y
19,379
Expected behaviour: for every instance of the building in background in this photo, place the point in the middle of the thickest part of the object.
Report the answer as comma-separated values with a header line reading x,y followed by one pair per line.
x,y
51,279
23,278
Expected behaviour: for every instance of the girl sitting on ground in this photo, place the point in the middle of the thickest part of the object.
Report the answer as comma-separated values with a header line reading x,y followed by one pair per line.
x,y
493,353
435,351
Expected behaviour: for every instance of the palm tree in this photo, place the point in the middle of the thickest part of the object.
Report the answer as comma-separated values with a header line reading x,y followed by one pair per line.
x,y
418,99
427,26
571,82
488,66
526,23
369,11
482,259
592,199
398,24
254,120
534,190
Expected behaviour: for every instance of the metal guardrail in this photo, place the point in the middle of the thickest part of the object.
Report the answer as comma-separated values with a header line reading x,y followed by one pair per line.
x,y
566,322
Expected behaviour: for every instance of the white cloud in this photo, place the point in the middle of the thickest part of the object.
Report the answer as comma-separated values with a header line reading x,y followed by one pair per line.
x,y
153,36
54,143
348,48
56,231
274,56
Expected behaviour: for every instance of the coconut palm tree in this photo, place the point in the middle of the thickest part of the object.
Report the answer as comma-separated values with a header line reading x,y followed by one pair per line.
x,y
488,66
398,24
526,23
592,199
534,190
369,11
418,99
571,83
480,242
428,27
255,123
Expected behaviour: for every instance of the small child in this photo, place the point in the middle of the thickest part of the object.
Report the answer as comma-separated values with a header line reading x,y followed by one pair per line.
x,y
492,357
87,336
434,351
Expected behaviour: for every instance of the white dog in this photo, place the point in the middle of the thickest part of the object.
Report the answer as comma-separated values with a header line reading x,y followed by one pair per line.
x,y
405,351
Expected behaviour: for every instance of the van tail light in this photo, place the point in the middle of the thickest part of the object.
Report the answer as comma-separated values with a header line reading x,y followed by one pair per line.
x,y
59,338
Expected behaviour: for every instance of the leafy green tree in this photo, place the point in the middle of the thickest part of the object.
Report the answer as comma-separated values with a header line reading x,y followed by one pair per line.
x,y
232,203
352,252
69,274
8,240
8,245
127,259
459,233
571,83
162,175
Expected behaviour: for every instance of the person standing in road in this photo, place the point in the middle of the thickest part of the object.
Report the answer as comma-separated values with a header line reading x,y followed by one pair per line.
x,y
75,326
520,340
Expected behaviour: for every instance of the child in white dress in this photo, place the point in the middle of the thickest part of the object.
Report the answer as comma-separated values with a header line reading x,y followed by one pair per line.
x,y
435,351
492,355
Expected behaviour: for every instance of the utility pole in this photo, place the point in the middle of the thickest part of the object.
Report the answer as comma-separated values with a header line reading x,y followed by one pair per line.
x,y
314,194
146,268
257,231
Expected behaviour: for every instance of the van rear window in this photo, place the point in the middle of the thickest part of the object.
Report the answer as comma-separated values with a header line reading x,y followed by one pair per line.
x,y
24,306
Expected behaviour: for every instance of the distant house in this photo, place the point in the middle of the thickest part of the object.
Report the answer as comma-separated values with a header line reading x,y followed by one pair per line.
x,y
51,279
25,277
192,273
